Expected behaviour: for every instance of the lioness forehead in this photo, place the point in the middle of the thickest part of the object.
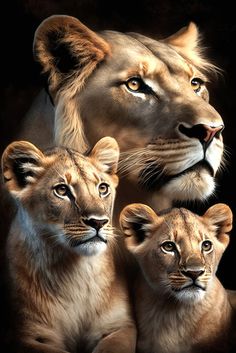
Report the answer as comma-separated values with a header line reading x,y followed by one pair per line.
x,y
159,54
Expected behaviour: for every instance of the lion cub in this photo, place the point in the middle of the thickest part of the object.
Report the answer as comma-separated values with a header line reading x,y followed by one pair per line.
x,y
181,306
65,269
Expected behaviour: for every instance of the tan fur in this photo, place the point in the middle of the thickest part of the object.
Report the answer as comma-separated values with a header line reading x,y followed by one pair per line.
x,y
87,49
87,76
180,304
68,287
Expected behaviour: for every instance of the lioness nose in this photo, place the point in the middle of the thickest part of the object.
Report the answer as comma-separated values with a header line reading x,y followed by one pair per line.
x,y
204,133
95,223
192,274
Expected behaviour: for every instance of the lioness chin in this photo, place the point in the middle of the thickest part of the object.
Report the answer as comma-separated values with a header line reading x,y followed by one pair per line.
x,y
149,94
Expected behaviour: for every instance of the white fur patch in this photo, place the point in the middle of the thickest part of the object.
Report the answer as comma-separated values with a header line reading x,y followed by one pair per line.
x,y
90,248
196,185
189,295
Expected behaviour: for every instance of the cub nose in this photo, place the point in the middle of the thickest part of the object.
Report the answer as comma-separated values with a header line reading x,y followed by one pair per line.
x,y
192,274
95,223
204,133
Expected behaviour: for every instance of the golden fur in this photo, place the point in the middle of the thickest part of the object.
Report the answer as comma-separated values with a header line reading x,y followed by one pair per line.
x,y
180,304
150,95
67,283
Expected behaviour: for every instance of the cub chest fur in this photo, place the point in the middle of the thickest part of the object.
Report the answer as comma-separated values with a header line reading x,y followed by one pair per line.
x,y
167,326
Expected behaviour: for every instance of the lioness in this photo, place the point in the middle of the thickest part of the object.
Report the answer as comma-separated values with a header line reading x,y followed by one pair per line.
x,y
65,269
150,95
180,304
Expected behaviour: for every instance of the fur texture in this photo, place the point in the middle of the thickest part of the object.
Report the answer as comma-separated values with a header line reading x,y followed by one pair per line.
x,y
68,287
180,304
150,95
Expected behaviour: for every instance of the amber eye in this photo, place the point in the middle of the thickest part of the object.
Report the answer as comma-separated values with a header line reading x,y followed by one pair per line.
x,y
61,190
168,246
207,246
134,84
196,84
104,189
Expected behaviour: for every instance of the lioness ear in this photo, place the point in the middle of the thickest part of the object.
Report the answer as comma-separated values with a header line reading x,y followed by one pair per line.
x,y
66,49
220,216
22,162
106,153
186,38
137,222
187,42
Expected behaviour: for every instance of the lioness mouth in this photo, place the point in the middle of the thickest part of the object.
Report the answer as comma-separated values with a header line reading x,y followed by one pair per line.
x,y
158,177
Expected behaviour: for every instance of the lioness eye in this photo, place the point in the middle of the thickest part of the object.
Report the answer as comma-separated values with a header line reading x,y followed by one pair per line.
x,y
196,84
61,190
207,245
104,189
134,84
168,246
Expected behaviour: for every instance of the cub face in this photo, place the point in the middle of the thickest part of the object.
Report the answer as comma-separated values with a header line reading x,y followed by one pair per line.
x,y
67,195
178,251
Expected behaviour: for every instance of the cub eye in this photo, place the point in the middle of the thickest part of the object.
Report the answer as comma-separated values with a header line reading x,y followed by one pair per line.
x,y
134,84
61,190
104,189
207,245
168,246
197,84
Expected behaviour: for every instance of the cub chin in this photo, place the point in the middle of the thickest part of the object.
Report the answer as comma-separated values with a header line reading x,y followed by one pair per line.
x,y
68,288
180,304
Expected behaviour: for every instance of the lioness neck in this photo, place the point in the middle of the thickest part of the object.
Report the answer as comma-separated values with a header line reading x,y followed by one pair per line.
x,y
178,326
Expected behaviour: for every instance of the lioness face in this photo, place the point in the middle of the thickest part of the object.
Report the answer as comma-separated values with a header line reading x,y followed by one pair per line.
x,y
150,95
67,195
156,105
178,251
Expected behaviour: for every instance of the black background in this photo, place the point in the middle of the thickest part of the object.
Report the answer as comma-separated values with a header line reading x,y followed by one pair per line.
x,y
20,79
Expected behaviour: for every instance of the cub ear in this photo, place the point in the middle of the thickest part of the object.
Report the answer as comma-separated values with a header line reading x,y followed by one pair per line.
x,y
22,162
220,216
137,222
66,49
106,154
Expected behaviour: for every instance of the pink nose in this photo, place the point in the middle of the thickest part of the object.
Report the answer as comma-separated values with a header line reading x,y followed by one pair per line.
x,y
210,132
204,133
